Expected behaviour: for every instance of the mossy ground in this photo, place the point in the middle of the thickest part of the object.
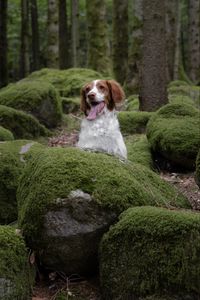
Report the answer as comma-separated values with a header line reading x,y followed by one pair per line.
x,y
132,122
14,265
70,105
22,125
5,134
139,151
11,166
151,250
174,133
36,97
67,82
118,185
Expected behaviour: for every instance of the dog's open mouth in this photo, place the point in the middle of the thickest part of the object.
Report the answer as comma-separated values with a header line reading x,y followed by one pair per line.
x,y
96,109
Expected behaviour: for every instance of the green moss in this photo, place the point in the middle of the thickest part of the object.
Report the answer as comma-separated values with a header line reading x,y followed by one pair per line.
x,y
180,99
139,150
186,90
70,105
22,125
133,122
11,167
67,82
118,185
15,272
71,123
174,133
132,103
5,134
197,174
177,83
35,97
151,250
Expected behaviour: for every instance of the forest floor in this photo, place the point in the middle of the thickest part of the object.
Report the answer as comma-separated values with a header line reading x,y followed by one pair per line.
x,y
49,286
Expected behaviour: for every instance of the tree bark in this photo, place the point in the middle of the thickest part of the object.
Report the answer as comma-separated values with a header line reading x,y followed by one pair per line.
x,y
134,57
177,61
120,39
194,41
24,53
153,92
3,43
35,36
75,31
53,31
98,56
63,36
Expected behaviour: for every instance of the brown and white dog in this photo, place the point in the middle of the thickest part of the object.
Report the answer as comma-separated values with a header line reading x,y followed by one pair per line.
x,y
100,129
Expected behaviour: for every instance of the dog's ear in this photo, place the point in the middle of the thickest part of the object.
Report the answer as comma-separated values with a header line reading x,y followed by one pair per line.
x,y
84,105
116,91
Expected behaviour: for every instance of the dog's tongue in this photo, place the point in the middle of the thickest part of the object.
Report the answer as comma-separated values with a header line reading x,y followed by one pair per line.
x,y
95,110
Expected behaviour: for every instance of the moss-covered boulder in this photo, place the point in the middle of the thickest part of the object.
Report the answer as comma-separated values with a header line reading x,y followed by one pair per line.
x,y
139,150
39,98
132,103
51,181
190,91
16,276
151,251
13,155
67,82
133,121
70,105
5,134
197,174
22,125
173,132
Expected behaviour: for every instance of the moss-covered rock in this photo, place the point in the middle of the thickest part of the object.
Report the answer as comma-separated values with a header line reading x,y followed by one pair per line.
x,y
177,83
56,172
13,155
190,91
22,125
39,98
197,174
67,82
70,105
151,250
5,134
16,276
134,121
132,103
139,151
180,99
173,132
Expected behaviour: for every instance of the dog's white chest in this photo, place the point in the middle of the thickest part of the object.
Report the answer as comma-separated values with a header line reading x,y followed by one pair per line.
x,y
102,134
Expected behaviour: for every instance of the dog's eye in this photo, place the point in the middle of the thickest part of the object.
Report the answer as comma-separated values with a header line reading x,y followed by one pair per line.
x,y
102,87
87,89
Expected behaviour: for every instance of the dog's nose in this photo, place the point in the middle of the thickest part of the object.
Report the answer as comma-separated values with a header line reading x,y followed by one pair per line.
x,y
91,96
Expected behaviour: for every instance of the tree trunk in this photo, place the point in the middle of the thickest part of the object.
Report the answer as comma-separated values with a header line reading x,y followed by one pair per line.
x,y
153,92
24,54
35,36
3,43
98,57
177,51
171,35
74,31
194,41
53,28
63,36
120,39
134,59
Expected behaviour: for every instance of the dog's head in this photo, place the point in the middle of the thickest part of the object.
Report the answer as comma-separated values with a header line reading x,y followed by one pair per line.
x,y
98,93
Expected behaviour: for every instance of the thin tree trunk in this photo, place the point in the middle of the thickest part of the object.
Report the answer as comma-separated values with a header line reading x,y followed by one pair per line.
x,y
3,43
35,35
134,59
24,55
194,41
75,31
63,36
53,31
98,56
177,52
153,92
120,39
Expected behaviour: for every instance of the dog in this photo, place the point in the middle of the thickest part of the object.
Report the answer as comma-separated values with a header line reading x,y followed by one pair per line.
x,y
100,130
